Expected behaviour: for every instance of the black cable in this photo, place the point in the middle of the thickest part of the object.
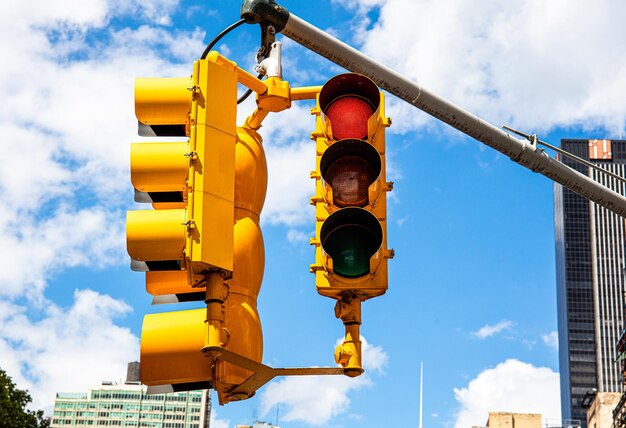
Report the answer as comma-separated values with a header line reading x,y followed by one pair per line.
x,y
219,37
244,96
247,93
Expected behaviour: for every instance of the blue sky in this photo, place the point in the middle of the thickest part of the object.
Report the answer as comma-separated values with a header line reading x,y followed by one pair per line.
x,y
472,286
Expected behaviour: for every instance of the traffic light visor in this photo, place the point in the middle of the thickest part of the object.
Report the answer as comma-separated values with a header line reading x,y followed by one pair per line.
x,y
153,235
159,167
351,237
162,106
349,167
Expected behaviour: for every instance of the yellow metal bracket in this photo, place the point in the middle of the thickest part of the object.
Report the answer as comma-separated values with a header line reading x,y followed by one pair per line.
x,y
275,99
262,374
278,97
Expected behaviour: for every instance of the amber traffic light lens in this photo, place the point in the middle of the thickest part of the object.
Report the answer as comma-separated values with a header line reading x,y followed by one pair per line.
x,y
350,178
349,167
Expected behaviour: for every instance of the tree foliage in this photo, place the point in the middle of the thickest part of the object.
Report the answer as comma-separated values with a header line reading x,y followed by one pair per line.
x,y
13,402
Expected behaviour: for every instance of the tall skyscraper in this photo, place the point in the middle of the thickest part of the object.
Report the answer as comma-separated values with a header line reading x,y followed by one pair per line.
x,y
590,248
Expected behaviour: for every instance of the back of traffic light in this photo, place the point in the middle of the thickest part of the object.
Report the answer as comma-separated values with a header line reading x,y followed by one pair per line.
x,y
350,203
190,184
181,349
207,194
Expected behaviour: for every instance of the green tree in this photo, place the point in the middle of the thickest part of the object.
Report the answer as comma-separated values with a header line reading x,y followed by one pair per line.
x,y
13,402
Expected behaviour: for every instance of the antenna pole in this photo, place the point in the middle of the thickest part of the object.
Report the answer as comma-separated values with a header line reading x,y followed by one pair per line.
x,y
421,391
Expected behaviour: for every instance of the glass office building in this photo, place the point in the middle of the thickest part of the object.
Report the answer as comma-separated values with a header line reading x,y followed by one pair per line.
x,y
590,280
128,405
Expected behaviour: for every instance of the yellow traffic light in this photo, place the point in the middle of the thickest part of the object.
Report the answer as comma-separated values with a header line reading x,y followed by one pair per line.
x,y
190,184
162,106
172,342
202,241
170,358
186,243
159,172
350,201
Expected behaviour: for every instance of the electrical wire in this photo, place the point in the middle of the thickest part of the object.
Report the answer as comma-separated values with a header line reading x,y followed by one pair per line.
x,y
219,37
248,92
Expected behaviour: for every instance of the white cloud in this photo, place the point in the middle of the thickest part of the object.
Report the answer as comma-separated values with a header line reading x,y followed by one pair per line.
x,y
33,250
289,184
362,6
528,63
217,422
315,400
297,236
512,386
65,349
84,14
66,124
490,330
551,340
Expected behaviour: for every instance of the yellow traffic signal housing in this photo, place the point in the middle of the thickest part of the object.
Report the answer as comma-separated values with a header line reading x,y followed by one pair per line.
x,y
172,342
351,188
187,240
241,318
202,239
170,358
350,203
190,184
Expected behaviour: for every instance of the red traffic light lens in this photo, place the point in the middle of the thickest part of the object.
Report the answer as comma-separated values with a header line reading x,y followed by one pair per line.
x,y
348,101
348,117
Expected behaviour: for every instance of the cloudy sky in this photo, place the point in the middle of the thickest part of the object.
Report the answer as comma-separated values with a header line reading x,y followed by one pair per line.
x,y
472,286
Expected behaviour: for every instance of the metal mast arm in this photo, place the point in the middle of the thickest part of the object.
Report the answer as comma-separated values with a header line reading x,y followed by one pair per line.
x,y
522,152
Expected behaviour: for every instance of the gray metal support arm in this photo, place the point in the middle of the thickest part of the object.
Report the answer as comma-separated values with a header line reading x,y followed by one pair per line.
x,y
520,151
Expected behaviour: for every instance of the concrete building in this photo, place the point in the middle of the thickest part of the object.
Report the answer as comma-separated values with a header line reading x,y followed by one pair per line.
x,y
513,420
600,412
590,248
128,405
619,412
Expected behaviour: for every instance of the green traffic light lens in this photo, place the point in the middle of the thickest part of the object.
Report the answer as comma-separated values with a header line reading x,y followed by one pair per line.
x,y
351,237
349,251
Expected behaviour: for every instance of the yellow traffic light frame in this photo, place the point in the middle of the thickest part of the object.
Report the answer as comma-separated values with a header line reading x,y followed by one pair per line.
x,y
327,282
371,215
208,347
